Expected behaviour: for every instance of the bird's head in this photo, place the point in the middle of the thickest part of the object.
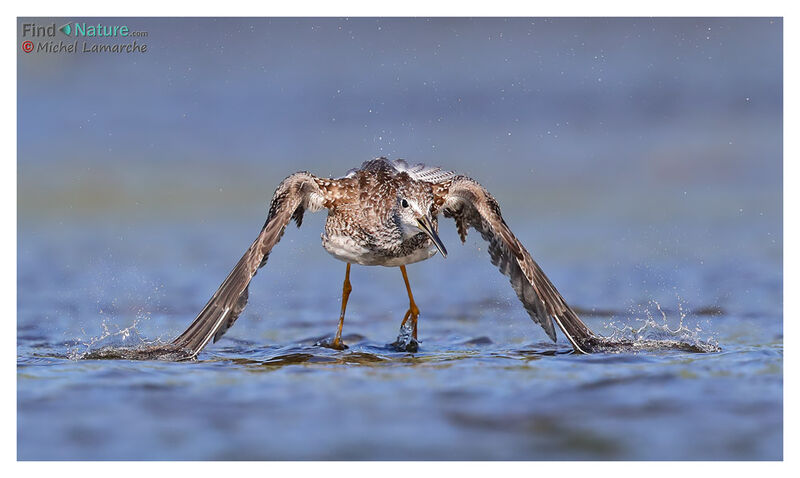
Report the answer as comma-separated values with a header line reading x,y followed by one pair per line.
x,y
414,216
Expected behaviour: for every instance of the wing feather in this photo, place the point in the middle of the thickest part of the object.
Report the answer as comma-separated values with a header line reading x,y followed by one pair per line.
x,y
420,172
471,205
291,198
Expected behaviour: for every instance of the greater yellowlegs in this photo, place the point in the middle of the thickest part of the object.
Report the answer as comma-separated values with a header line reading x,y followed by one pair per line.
x,y
386,213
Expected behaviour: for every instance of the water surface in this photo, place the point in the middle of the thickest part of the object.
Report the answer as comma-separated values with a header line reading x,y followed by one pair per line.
x,y
486,383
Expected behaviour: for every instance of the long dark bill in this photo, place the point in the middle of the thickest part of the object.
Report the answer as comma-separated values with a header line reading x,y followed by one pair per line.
x,y
426,226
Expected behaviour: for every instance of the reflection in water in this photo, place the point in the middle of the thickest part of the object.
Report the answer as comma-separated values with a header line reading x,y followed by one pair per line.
x,y
653,335
306,354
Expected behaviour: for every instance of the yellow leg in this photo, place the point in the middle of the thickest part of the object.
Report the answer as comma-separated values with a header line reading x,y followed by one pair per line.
x,y
413,311
346,289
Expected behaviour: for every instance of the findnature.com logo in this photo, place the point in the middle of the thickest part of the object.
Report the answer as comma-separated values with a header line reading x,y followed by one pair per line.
x,y
99,30
47,44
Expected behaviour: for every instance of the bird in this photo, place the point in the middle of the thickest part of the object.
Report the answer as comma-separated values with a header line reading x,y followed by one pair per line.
x,y
386,213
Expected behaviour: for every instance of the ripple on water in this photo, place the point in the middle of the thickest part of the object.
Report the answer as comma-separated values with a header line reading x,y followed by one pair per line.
x,y
363,352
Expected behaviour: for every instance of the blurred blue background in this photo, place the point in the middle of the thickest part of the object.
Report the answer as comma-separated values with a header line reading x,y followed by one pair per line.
x,y
639,160
239,104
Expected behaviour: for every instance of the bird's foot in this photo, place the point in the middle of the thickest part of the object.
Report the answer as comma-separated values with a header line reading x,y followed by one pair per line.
x,y
334,343
406,342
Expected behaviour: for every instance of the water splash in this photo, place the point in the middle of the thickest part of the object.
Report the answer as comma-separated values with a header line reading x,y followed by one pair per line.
x,y
123,344
405,339
653,332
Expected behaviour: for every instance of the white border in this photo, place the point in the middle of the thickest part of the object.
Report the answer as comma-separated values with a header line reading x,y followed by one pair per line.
x,y
405,8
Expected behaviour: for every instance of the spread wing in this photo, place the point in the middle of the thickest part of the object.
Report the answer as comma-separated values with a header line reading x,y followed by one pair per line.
x,y
294,195
470,205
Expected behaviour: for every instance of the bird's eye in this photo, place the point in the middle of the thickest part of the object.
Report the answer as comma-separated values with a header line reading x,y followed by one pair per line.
x,y
404,203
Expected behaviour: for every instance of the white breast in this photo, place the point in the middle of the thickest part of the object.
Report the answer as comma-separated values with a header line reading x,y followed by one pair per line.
x,y
346,249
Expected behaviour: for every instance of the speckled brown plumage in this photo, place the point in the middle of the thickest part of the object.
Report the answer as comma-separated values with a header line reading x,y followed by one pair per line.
x,y
368,224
